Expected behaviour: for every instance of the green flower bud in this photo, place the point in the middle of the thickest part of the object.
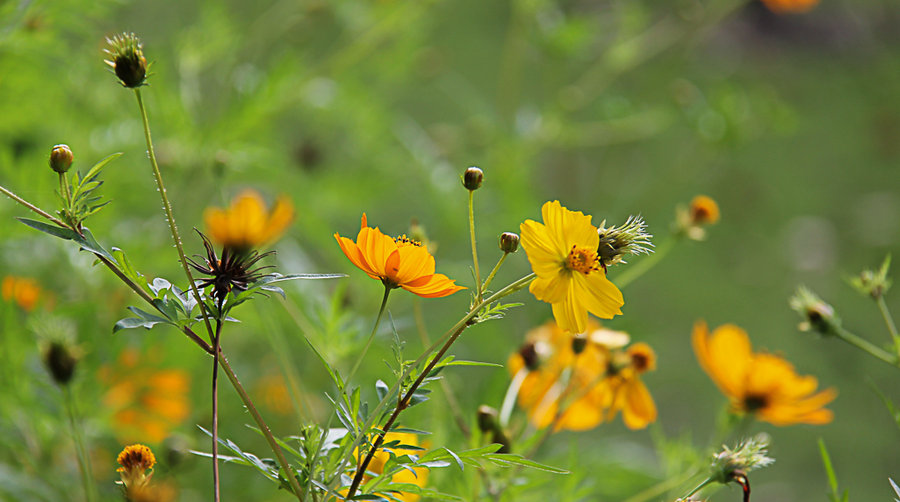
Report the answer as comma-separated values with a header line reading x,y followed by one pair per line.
x,y
127,59
61,158
472,178
509,242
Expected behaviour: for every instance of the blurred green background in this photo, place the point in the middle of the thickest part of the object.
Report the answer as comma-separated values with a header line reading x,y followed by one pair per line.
x,y
791,122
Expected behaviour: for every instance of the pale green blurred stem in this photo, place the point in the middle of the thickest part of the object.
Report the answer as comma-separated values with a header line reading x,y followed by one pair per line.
x,y
660,488
64,189
509,399
32,207
889,321
698,487
84,461
478,287
490,277
863,344
384,299
632,272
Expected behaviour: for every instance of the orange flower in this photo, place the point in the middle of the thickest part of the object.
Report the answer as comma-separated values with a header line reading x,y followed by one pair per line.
x,y
247,224
790,6
762,384
625,392
21,290
397,263
704,210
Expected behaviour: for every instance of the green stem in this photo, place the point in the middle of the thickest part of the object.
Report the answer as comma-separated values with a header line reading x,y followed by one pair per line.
x,y
267,433
490,277
660,488
889,321
698,487
509,399
32,207
215,406
64,192
478,290
863,344
640,268
384,299
84,462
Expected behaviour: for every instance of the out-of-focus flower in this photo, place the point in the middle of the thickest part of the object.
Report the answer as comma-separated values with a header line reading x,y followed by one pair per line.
x,y
137,463
691,221
817,315
749,455
578,391
874,283
761,384
397,263
247,223
127,59
146,402
414,475
275,395
790,6
570,275
23,291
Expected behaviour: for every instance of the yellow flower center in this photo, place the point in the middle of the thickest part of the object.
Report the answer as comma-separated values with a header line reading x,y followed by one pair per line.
x,y
403,240
753,402
582,260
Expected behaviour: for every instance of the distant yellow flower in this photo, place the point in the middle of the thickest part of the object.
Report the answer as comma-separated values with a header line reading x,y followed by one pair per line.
x,y
23,291
146,402
135,460
790,6
418,476
761,384
563,254
704,210
397,263
247,223
624,390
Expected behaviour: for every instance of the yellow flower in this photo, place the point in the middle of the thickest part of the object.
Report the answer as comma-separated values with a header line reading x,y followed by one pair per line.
x,y
135,460
247,223
397,263
762,384
21,290
625,392
790,6
704,210
563,254
146,402
418,476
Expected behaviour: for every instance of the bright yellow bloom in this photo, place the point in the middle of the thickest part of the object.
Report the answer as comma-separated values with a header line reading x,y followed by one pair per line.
x,y
624,390
563,254
762,384
146,402
247,223
135,460
21,290
418,476
397,263
790,6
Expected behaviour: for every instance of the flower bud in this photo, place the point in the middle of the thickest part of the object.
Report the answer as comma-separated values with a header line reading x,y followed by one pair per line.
x,y
530,356
487,418
472,178
61,158
60,360
128,60
817,315
579,342
509,242
617,242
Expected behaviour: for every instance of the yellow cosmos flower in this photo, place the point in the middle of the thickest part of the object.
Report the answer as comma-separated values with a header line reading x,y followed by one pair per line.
x,y
790,6
762,384
247,223
417,476
704,210
21,290
397,263
563,254
136,460
624,391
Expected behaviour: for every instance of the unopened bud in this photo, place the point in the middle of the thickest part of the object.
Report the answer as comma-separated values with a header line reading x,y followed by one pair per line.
x,y
487,418
817,315
127,59
61,158
60,361
472,178
579,342
529,356
509,242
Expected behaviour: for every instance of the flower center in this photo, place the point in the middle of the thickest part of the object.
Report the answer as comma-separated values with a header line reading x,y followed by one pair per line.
x,y
403,240
582,260
754,402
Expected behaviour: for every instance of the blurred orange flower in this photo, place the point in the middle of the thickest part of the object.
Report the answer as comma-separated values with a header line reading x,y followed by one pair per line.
x,y
397,263
790,6
23,291
247,223
761,384
146,402
704,210
570,277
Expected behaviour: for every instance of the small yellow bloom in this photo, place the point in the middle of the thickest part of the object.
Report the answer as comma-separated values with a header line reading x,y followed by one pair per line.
x,y
704,210
247,223
23,291
790,6
398,263
418,476
563,254
624,390
762,384
135,460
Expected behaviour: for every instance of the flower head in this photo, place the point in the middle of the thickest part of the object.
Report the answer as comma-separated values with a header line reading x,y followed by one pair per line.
x,y
247,223
570,274
402,442
235,270
397,262
135,460
23,291
817,315
761,384
127,59
691,221
629,238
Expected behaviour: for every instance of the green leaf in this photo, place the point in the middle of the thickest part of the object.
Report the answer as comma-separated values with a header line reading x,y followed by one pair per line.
x,y
88,243
506,459
126,267
829,471
95,170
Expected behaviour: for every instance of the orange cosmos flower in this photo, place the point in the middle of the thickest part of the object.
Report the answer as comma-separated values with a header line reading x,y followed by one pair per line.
x,y
21,290
790,6
247,223
397,263
624,391
563,254
704,210
762,384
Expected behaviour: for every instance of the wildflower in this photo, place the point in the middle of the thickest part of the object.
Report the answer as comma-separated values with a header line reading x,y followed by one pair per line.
x,y
624,390
761,384
61,158
247,224
618,242
570,275
817,315
790,6
690,222
233,271
413,475
749,454
127,59
145,401
136,460
23,291
397,263
472,178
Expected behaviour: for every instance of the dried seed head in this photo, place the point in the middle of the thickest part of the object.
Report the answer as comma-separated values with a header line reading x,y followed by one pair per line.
x,y
127,59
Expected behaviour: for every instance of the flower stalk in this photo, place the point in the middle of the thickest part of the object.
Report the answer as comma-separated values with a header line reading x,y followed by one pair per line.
x,y
84,461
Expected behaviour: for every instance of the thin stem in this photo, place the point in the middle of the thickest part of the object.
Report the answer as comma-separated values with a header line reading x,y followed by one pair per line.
x,y
479,290
490,277
64,190
698,487
640,268
170,218
403,402
32,207
863,344
267,433
660,488
384,299
889,321
215,405
84,462
509,400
